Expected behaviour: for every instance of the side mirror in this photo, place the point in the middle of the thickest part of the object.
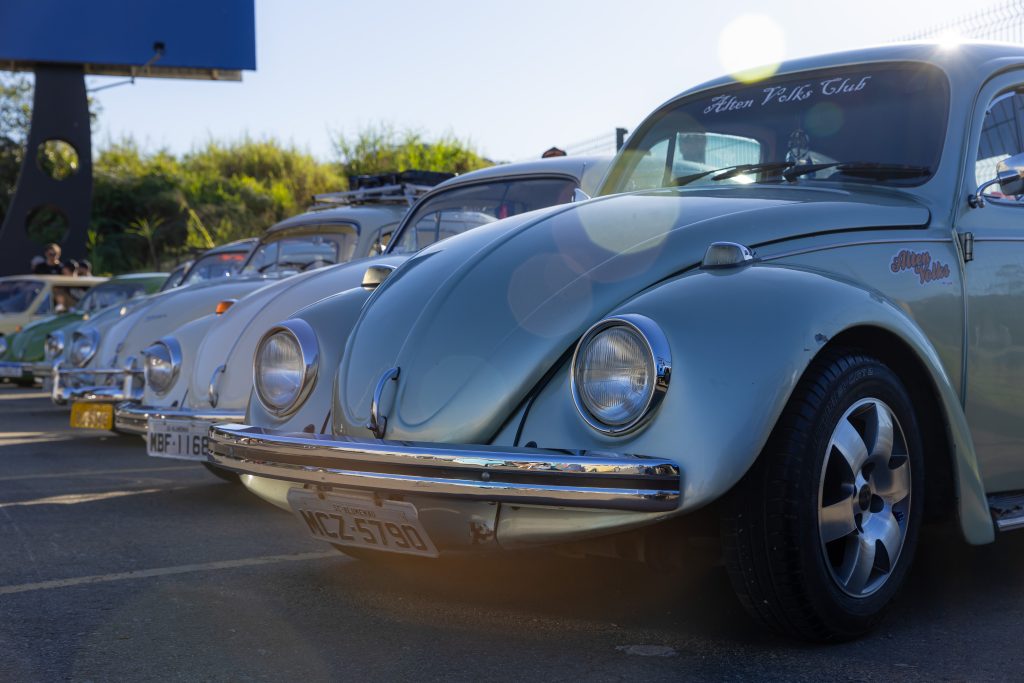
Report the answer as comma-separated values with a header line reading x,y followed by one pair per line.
x,y
1009,178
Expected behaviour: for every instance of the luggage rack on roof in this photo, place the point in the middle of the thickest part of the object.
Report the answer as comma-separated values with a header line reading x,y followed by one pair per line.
x,y
386,188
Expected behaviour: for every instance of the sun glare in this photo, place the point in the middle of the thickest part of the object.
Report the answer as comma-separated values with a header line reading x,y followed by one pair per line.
x,y
751,47
950,40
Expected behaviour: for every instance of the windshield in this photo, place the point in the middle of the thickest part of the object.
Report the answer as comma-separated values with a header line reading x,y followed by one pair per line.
x,y
213,266
175,278
878,123
17,295
109,294
314,247
464,208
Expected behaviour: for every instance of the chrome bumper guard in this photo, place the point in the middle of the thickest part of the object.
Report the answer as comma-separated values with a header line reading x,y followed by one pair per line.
x,y
586,479
132,418
65,386
38,369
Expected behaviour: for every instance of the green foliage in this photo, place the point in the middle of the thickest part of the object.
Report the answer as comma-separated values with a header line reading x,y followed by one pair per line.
x,y
382,149
153,208
15,116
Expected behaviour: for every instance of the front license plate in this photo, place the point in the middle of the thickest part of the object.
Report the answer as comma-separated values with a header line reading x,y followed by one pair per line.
x,y
9,369
182,439
92,415
351,520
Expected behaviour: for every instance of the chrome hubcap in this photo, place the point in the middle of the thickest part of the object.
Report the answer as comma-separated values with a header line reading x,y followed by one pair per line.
x,y
864,498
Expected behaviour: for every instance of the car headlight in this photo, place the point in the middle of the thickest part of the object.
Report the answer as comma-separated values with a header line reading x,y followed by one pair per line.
x,y
54,345
83,347
3,345
162,364
285,366
620,372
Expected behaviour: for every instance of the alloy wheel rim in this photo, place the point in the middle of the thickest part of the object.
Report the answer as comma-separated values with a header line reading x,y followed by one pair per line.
x,y
864,498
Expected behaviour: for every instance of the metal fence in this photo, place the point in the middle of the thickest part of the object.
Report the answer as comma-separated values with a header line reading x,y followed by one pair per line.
x,y
1002,21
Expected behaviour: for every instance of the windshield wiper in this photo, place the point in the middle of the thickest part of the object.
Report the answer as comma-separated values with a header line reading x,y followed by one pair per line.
x,y
871,170
727,172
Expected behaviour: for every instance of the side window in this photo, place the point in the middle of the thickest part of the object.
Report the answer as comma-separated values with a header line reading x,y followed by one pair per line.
x,y
1002,134
44,306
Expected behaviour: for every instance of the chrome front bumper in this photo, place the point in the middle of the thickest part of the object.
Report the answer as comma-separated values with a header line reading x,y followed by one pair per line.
x,y
528,476
82,384
132,419
37,369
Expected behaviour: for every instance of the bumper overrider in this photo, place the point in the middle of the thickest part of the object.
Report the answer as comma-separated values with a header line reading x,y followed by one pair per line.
x,y
84,384
132,418
493,474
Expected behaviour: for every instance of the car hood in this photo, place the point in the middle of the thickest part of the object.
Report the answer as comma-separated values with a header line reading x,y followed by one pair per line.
x,y
162,313
232,339
474,322
27,345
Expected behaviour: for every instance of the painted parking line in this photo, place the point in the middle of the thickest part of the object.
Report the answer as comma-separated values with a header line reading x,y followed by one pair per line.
x,y
76,498
100,473
167,571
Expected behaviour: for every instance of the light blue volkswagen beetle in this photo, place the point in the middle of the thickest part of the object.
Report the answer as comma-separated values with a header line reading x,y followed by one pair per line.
x,y
800,305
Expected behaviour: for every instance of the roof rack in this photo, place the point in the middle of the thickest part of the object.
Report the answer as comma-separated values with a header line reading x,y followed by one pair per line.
x,y
385,188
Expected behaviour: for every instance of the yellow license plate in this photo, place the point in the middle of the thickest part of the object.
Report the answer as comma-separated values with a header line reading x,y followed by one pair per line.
x,y
92,415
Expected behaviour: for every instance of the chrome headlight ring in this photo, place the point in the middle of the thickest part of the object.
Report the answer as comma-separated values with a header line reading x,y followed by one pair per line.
x,y
161,364
84,344
653,361
290,343
54,345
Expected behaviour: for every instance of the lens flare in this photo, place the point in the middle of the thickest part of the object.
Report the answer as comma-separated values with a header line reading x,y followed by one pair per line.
x,y
751,47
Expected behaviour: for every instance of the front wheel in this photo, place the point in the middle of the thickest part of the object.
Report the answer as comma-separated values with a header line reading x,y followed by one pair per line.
x,y
820,533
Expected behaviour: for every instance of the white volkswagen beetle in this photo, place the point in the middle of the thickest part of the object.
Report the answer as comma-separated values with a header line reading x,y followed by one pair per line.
x,y
341,227
202,373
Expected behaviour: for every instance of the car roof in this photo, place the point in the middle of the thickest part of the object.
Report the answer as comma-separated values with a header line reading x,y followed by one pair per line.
x,y
238,245
371,214
579,167
975,59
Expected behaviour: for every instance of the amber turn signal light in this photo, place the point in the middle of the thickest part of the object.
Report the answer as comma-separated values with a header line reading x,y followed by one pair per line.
x,y
224,305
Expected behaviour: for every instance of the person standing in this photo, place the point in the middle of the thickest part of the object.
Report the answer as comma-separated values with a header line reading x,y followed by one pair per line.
x,y
51,264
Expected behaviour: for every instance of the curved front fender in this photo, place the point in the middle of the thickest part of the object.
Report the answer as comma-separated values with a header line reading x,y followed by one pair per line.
x,y
740,341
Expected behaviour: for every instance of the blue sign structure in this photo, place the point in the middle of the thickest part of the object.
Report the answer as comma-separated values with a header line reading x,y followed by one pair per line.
x,y
62,41
192,38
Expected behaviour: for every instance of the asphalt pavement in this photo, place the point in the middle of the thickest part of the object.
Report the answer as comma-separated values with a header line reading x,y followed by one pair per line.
x,y
116,566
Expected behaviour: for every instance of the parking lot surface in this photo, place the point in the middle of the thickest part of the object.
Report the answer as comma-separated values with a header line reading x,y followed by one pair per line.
x,y
115,566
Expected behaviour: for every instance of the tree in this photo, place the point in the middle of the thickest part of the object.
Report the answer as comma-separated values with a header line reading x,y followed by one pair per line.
x,y
15,117
382,149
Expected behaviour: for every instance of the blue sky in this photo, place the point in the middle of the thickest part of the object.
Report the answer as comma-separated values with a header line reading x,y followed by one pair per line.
x,y
514,77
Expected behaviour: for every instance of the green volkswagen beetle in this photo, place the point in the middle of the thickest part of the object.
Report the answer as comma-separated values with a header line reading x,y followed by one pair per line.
x,y
25,357
799,306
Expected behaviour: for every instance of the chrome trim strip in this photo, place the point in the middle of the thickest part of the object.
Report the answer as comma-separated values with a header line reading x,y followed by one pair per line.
x,y
1010,523
99,371
861,243
513,475
100,394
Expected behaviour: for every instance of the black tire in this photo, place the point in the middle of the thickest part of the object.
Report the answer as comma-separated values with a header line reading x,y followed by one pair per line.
x,y
773,546
226,475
